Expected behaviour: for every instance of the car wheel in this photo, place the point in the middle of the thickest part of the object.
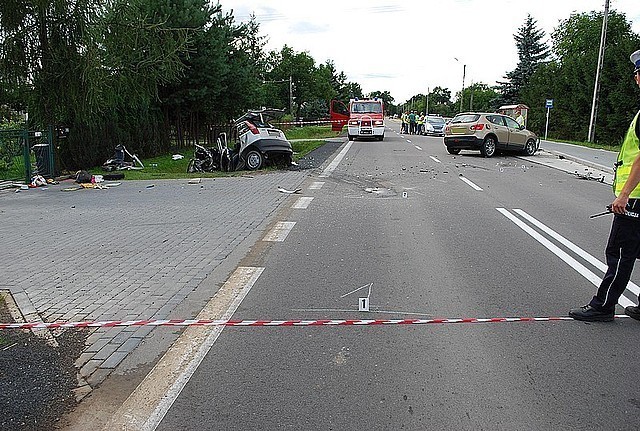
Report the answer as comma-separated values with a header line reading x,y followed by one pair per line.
x,y
254,160
488,147
530,147
380,138
351,137
453,150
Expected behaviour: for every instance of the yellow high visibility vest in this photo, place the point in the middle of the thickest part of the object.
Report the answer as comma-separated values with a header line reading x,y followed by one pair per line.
x,y
628,153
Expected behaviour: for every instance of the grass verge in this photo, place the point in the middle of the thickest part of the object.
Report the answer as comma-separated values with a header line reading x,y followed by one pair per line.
x,y
165,168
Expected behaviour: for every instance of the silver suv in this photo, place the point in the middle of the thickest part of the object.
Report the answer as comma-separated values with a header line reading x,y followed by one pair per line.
x,y
488,132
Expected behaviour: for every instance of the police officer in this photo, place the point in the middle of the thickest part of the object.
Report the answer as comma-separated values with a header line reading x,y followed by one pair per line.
x,y
623,246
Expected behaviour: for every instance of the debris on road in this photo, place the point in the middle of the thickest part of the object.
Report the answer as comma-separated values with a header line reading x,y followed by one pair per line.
x,y
283,190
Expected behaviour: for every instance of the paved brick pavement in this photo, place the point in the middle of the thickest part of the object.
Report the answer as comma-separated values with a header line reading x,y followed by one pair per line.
x,y
130,252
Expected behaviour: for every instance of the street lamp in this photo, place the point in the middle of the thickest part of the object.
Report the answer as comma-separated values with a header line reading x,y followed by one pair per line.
x,y
464,72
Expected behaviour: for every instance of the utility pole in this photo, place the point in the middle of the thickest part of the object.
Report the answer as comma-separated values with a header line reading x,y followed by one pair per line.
x,y
291,94
464,72
426,108
596,87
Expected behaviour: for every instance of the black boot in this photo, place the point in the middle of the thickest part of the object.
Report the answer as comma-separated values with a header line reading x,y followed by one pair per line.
x,y
589,314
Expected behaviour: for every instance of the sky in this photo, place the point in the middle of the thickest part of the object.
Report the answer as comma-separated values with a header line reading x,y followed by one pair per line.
x,y
407,47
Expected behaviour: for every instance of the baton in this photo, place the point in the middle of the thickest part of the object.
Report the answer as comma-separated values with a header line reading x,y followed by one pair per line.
x,y
608,211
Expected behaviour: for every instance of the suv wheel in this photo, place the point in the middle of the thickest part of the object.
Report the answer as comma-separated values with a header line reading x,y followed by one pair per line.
x,y
530,147
453,150
488,147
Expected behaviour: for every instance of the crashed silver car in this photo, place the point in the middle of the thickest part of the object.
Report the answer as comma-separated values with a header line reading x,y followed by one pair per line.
x,y
259,143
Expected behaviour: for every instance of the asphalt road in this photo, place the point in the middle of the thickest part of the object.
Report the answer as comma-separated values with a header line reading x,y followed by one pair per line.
x,y
451,247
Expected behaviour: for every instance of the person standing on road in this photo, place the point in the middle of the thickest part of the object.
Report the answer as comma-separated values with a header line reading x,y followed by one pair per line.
x,y
520,118
412,123
623,246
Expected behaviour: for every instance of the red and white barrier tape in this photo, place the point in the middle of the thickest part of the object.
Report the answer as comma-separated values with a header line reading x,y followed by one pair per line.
x,y
334,322
318,122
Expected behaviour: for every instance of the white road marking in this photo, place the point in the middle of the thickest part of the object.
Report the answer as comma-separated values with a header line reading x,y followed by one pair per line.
x,y
435,159
147,405
633,288
316,185
581,269
280,231
470,183
418,147
408,140
302,203
334,164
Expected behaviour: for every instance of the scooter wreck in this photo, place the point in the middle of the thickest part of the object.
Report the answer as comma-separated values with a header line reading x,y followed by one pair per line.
x,y
257,143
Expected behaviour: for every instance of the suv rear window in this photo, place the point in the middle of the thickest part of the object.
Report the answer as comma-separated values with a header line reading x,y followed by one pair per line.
x,y
465,118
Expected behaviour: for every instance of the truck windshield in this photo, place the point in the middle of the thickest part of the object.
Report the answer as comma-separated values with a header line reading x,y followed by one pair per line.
x,y
366,108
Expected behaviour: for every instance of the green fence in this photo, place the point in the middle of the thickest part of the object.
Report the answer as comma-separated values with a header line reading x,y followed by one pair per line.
x,y
26,153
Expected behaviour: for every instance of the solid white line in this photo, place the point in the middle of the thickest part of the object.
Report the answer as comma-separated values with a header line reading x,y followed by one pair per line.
x,y
574,248
316,185
418,147
470,183
280,231
145,408
334,164
581,269
435,159
302,203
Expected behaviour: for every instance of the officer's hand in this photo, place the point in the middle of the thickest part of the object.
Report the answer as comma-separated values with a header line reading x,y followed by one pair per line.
x,y
619,205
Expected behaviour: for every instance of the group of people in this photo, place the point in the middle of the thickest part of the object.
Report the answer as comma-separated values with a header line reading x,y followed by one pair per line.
x,y
413,123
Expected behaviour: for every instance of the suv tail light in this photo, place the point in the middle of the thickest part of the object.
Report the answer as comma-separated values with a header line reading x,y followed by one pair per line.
x,y
252,127
477,127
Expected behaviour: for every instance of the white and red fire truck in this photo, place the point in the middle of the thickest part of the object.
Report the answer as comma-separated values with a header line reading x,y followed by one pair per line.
x,y
364,118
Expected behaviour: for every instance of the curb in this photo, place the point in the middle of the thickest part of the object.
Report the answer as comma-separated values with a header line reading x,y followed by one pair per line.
x,y
579,160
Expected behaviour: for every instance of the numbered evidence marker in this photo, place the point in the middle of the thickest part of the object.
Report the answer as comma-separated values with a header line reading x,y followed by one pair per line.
x,y
363,304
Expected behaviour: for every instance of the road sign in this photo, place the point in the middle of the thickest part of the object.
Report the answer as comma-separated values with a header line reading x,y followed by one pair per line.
x,y
549,103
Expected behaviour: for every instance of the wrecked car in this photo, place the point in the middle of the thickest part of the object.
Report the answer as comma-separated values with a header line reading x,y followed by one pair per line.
x,y
256,144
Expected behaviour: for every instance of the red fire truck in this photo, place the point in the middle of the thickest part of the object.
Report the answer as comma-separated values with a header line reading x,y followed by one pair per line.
x,y
364,118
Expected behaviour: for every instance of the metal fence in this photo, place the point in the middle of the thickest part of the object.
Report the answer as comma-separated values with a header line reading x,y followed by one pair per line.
x,y
25,153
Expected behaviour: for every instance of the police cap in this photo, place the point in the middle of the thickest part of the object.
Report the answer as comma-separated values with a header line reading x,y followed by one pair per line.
x,y
635,59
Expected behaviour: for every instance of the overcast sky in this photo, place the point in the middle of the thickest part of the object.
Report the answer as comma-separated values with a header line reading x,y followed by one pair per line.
x,y
405,47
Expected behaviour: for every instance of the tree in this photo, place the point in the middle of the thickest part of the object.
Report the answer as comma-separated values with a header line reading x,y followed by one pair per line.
x,y
531,53
569,79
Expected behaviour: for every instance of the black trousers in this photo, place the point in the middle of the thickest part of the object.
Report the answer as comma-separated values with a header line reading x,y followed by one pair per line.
x,y
623,248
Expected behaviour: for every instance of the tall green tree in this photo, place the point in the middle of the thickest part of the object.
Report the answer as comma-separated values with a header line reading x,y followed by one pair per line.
x,y
532,52
570,78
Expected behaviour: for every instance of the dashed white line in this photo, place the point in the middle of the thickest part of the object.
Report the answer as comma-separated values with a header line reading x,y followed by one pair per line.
x,y
302,203
316,185
280,231
471,184
418,148
435,159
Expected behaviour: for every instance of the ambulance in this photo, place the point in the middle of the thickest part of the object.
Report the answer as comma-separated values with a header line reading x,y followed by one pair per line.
x,y
364,118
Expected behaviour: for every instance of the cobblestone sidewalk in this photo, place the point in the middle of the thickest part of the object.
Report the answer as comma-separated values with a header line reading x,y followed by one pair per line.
x,y
129,252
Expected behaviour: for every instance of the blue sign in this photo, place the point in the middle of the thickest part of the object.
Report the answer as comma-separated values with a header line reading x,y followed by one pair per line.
x,y
549,103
